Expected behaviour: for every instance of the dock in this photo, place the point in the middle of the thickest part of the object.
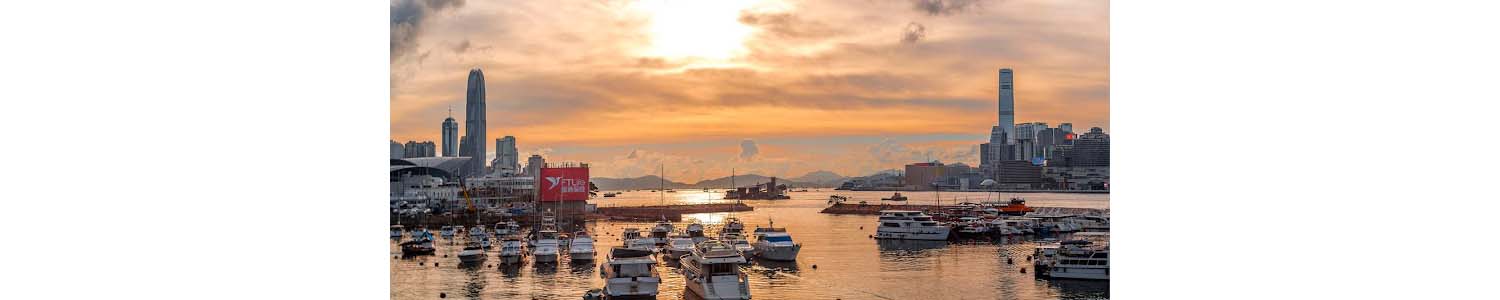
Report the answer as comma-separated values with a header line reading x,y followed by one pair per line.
x,y
670,212
874,209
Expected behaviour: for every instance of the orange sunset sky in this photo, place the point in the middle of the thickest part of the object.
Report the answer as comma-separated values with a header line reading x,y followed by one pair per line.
x,y
768,87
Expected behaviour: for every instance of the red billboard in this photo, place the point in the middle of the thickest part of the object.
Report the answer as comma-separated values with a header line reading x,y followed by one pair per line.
x,y
563,184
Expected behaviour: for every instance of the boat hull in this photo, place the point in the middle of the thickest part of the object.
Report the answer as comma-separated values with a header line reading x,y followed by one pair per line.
x,y
718,289
778,253
510,259
581,255
935,235
471,258
545,258
631,288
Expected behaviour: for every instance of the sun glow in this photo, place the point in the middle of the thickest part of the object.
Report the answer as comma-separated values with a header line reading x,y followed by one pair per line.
x,y
696,29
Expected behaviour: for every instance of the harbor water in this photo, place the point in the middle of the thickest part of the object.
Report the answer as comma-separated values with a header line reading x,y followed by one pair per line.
x,y
838,260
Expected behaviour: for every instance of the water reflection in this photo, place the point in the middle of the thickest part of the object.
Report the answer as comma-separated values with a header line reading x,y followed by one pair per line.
x,y
906,247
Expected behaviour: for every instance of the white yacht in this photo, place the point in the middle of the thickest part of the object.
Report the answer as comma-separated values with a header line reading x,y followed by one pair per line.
x,y
544,245
660,232
712,272
630,273
775,244
1084,257
446,232
732,225
581,247
740,244
909,225
678,246
972,227
511,249
472,253
396,231
695,232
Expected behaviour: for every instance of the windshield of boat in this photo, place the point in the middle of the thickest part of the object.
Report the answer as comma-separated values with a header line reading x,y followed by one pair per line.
x,y
633,270
775,238
682,243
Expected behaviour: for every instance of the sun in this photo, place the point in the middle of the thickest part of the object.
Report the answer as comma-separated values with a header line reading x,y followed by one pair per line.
x,y
708,30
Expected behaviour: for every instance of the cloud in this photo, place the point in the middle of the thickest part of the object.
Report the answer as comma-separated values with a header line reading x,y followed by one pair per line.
x,y
748,150
788,26
914,32
407,18
943,7
461,47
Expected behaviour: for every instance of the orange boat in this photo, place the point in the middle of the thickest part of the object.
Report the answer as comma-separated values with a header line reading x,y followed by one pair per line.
x,y
1016,206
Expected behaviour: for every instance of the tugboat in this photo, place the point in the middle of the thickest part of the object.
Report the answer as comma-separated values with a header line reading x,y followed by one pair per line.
x,y
895,197
1017,206
712,272
630,273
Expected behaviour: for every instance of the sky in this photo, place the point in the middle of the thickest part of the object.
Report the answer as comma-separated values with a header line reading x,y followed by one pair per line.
x,y
777,88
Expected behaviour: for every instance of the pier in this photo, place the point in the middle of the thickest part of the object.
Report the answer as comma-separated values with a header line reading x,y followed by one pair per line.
x,y
671,212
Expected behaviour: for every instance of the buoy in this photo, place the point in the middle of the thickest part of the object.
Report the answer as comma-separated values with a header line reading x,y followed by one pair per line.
x,y
445,256
815,266
434,264
442,295
421,263
1007,261
1023,270
861,228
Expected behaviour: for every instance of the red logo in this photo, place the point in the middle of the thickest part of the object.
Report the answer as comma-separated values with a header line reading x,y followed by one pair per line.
x,y
564,184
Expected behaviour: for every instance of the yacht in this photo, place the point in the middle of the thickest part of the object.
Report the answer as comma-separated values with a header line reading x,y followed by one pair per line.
x,y
446,232
909,225
678,246
775,244
420,244
695,232
630,234
544,245
630,273
581,247
396,231
712,272
1084,257
511,249
472,253
660,232
732,225
972,227
740,244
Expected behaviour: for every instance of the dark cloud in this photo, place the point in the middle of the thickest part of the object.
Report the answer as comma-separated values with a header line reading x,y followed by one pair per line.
x,y
407,17
914,32
748,149
943,7
461,47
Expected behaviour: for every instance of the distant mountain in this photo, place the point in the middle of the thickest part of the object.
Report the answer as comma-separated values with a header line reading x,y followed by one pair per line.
x,y
647,182
746,180
821,178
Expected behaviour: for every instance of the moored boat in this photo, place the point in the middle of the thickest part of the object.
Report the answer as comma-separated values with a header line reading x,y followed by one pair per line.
x,y
773,243
629,273
511,249
712,272
909,225
473,253
895,197
581,247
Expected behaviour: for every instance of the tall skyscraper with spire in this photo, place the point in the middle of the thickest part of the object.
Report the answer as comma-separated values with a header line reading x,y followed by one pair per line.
x,y
474,123
450,135
1008,106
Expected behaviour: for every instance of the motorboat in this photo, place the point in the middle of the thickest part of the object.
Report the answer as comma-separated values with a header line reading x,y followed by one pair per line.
x,y
739,243
972,227
472,253
678,246
581,247
712,271
773,243
446,232
511,249
660,232
732,225
544,245
397,231
630,273
909,225
695,232
630,234
1086,256
420,244
895,197
1016,206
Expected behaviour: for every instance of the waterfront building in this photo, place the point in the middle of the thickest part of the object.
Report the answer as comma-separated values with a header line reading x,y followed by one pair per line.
x,y
922,176
450,135
397,150
534,165
474,122
507,159
1019,174
420,149
1077,178
1091,149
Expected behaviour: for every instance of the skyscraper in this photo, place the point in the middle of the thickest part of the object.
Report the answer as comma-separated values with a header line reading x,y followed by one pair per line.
x,y
1007,106
474,124
397,150
450,135
507,159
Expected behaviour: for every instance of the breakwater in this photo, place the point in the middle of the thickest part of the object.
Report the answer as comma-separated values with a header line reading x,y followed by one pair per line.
x,y
670,212
874,209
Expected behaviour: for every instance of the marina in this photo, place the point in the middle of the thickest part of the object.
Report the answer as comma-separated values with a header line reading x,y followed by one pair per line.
x,y
838,258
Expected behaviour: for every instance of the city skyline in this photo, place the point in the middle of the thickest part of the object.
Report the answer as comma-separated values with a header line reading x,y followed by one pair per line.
x,y
794,88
